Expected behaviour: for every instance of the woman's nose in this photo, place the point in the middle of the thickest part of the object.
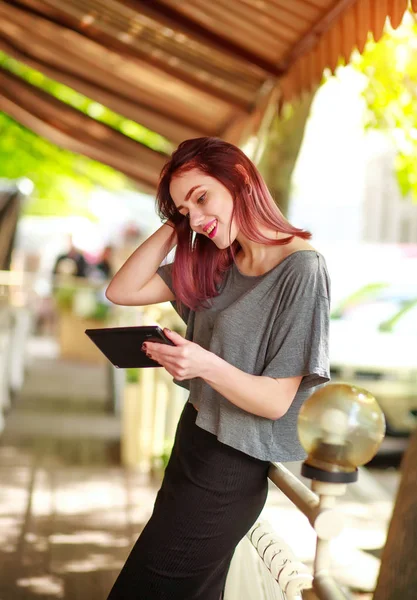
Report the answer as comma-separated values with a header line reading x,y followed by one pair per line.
x,y
196,218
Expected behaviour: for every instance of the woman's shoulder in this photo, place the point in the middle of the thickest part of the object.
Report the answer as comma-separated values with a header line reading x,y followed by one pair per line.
x,y
298,245
301,257
305,272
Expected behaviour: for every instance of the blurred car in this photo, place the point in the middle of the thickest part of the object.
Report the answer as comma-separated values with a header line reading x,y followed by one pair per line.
x,y
373,344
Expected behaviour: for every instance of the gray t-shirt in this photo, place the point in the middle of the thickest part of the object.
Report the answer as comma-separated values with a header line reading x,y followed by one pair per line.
x,y
274,325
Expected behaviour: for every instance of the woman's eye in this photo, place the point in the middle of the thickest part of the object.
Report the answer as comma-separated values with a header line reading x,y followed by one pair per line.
x,y
201,199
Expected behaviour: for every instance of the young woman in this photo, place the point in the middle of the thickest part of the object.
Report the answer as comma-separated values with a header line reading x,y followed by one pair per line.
x,y
255,297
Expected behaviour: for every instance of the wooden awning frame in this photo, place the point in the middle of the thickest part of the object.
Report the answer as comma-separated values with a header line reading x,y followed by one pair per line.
x,y
176,70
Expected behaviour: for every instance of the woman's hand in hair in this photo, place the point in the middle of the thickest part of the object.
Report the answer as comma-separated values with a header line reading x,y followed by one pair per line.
x,y
185,360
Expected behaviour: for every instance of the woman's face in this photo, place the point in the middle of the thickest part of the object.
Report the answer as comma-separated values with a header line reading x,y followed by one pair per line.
x,y
207,204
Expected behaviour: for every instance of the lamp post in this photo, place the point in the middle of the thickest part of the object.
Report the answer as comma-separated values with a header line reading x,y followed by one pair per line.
x,y
340,427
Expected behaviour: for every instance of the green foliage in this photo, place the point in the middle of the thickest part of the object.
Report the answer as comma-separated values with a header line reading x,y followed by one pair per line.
x,y
389,324
63,180
101,312
390,93
132,375
65,299
85,105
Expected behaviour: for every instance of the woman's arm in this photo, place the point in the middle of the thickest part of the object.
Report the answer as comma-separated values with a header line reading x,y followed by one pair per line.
x,y
263,396
136,282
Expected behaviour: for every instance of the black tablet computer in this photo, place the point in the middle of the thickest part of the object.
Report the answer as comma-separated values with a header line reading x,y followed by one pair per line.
x,y
122,345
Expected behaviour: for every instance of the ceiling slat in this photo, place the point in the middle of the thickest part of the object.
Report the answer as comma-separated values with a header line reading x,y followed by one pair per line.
x,y
322,25
241,129
319,59
195,65
172,129
208,84
306,12
362,12
133,79
249,29
150,35
46,43
380,11
347,29
176,14
334,45
272,16
396,9
211,16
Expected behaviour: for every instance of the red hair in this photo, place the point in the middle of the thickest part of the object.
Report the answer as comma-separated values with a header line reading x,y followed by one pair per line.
x,y
199,266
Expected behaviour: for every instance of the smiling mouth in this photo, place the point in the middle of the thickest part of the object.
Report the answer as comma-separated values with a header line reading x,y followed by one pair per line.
x,y
211,229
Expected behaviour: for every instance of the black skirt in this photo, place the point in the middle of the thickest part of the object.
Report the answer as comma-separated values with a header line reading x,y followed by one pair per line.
x,y
210,497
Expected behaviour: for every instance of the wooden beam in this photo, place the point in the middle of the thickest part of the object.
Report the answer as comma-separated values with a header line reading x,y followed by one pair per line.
x,y
268,11
9,216
149,32
182,43
71,129
310,39
302,9
230,21
173,130
243,128
39,38
63,18
184,24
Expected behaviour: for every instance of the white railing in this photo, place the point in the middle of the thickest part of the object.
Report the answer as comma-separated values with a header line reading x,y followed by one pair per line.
x,y
264,567
269,570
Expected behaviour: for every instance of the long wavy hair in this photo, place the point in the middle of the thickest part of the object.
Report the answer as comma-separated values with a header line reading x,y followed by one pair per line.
x,y
199,266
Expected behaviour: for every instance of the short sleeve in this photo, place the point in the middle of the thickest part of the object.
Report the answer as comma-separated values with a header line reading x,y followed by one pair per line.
x,y
165,272
299,342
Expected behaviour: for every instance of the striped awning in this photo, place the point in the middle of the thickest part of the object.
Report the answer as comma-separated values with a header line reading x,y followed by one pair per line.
x,y
182,68
342,29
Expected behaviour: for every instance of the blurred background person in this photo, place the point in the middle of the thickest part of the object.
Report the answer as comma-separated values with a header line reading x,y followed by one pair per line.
x,y
71,262
103,268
